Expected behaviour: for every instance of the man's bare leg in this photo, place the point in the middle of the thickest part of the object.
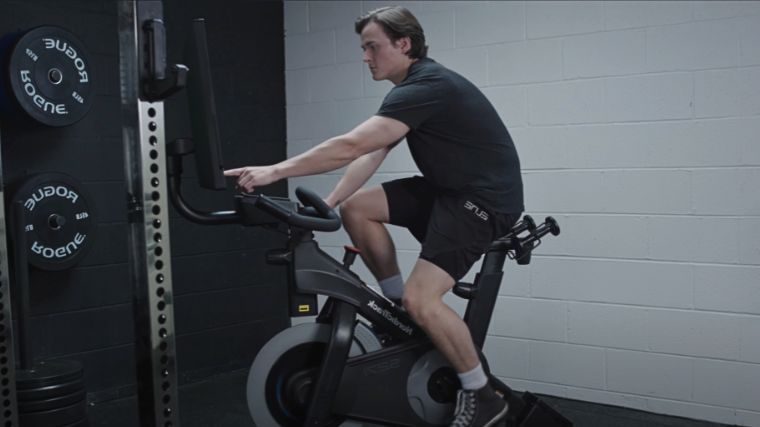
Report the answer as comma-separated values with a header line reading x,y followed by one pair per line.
x,y
423,299
477,404
364,217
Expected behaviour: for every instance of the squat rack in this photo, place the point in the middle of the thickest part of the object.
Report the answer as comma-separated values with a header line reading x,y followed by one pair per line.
x,y
145,82
9,414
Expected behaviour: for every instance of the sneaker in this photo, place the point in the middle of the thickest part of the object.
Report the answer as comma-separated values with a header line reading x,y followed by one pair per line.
x,y
479,408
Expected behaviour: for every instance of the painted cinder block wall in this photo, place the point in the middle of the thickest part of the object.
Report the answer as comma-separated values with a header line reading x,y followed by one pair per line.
x,y
638,128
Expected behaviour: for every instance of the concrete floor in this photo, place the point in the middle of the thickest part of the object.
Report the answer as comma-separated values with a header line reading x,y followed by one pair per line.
x,y
220,402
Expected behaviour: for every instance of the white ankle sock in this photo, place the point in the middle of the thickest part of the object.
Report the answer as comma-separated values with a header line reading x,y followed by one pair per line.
x,y
392,287
474,379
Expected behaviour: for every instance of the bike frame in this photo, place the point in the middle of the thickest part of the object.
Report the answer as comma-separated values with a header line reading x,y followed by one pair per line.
x,y
315,272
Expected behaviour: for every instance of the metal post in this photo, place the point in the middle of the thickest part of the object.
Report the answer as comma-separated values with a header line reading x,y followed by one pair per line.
x,y
21,278
9,411
150,255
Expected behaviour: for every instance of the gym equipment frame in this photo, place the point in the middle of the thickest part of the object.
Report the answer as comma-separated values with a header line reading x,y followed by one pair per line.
x,y
145,82
9,414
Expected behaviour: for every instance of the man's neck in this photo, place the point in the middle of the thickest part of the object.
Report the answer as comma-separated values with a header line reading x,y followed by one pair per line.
x,y
401,77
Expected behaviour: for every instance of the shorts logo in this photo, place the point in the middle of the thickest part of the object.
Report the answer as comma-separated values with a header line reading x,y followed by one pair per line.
x,y
480,213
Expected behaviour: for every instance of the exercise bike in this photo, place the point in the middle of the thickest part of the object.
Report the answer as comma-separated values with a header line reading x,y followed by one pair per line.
x,y
364,358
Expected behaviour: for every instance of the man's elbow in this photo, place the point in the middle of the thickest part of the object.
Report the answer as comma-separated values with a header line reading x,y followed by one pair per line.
x,y
352,148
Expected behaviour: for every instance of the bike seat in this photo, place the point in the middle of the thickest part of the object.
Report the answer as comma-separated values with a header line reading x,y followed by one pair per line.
x,y
465,290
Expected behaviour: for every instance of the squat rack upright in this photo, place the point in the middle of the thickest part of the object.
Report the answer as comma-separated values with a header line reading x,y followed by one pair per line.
x,y
145,81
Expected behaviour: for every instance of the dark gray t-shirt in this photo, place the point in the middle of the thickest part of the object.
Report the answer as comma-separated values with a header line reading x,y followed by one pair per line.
x,y
456,137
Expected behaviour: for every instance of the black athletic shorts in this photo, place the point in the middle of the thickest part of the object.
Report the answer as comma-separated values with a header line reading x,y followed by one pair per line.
x,y
454,229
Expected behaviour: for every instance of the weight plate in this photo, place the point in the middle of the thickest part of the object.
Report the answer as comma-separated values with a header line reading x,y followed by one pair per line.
x,y
51,391
55,417
59,220
47,373
52,403
51,76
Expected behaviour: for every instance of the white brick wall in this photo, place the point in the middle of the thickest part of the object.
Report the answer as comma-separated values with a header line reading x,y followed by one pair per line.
x,y
638,128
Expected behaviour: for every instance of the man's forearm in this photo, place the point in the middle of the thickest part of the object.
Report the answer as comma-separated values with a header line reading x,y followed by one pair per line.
x,y
357,174
332,154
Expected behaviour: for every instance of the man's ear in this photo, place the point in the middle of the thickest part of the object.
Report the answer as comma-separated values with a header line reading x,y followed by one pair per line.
x,y
405,44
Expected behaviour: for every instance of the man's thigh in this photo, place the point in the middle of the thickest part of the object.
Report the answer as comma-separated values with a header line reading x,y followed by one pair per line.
x,y
427,281
410,201
460,230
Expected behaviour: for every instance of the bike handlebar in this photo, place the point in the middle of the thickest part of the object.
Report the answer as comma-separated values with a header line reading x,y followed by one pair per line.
x,y
326,219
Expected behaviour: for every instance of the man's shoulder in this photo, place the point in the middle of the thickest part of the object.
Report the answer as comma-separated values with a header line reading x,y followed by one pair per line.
x,y
427,68
429,75
428,83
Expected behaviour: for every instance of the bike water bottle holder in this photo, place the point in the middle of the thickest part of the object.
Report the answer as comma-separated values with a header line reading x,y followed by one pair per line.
x,y
521,254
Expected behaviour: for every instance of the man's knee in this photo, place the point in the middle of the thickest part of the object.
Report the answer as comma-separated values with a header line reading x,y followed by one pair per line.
x,y
353,210
421,306
424,291
362,206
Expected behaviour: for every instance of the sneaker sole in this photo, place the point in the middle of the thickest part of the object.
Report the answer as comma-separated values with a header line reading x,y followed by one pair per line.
x,y
498,417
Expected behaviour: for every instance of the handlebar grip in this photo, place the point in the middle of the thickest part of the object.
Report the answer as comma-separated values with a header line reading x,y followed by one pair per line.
x,y
326,221
311,199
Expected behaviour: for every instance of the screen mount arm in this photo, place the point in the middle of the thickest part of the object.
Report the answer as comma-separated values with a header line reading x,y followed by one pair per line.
x,y
175,151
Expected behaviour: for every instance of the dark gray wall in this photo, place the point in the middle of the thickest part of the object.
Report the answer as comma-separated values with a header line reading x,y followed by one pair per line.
x,y
227,297
228,301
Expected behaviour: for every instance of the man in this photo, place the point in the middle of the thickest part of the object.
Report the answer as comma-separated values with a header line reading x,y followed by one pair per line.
x,y
470,192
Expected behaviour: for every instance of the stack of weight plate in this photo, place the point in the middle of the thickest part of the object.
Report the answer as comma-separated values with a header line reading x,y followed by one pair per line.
x,y
52,394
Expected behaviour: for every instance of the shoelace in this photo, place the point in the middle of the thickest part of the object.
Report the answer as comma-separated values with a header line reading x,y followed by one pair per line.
x,y
464,414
